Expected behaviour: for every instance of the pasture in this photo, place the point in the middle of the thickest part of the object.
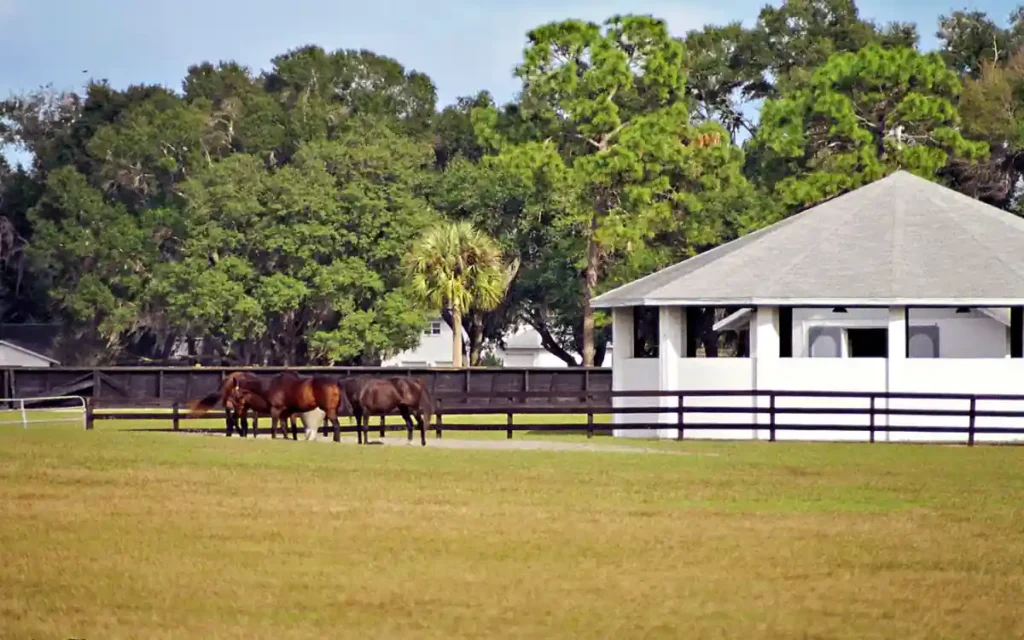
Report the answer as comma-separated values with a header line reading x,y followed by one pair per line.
x,y
116,534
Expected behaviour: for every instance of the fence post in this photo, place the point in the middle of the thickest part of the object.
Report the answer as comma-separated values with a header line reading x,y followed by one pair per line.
x,y
970,425
175,416
872,417
680,420
89,416
771,415
590,415
440,419
508,418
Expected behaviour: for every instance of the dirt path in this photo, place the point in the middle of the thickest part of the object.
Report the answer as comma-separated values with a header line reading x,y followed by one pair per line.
x,y
518,444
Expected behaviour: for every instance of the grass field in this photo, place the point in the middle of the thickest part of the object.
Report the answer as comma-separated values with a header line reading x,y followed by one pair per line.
x,y
113,534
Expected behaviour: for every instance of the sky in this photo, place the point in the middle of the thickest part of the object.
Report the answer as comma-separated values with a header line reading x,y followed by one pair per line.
x,y
464,46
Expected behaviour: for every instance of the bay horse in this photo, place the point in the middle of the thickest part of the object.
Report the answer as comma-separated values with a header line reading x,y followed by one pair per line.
x,y
238,392
240,400
288,394
234,384
408,395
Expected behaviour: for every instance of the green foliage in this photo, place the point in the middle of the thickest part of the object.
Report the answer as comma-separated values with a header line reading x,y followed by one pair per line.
x,y
457,267
270,217
609,143
861,116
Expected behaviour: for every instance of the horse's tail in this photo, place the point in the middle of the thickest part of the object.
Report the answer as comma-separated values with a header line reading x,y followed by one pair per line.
x,y
427,407
204,404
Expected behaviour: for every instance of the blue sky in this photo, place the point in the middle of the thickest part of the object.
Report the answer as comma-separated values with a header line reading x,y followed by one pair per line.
x,y
463,45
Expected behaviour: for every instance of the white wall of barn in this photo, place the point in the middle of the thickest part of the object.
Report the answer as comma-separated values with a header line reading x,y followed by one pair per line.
x,y
973,359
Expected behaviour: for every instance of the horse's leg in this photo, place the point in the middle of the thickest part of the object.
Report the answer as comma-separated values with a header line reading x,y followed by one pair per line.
x,y
423,427
245,422
335,422
255,424
404,409
275,417
357,413
295,429
228,416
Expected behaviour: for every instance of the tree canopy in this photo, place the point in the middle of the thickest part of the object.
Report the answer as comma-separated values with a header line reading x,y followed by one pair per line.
x,y
270,217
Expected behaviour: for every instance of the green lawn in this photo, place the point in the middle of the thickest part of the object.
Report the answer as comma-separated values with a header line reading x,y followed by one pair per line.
x,y
115,534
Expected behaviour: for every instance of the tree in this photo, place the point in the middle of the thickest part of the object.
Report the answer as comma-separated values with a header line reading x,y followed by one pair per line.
x,y
731,68
603,124
970,39
457,267
861,116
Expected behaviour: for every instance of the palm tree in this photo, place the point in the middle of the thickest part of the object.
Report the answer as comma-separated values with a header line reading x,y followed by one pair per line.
x,y
458,267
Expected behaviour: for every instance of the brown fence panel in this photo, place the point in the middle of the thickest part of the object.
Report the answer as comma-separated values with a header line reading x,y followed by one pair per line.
x,y
163,386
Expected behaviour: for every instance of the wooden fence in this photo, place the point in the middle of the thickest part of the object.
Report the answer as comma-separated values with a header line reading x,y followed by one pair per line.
x,y
163,386
773,405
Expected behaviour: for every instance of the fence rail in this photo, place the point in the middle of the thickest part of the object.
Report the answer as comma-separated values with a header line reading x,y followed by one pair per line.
x,y
765,413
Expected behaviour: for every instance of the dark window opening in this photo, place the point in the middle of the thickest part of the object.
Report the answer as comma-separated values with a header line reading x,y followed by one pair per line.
x,y
868,343
645,332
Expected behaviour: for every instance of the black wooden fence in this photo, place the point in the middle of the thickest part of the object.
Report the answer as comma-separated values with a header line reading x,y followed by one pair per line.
x,y
876,410
163,386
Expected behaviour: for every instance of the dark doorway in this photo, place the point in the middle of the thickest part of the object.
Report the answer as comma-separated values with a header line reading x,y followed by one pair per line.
x,y
868,343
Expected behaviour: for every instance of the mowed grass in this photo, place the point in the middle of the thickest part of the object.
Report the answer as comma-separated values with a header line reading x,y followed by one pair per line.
x,y
114,534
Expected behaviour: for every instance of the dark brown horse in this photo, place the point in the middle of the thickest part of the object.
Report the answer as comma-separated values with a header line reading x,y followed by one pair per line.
x,y
289,394
351,388
408,395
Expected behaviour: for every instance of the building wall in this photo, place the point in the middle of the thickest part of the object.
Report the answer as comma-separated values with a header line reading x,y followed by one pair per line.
x,y
973,359
10,357
434,349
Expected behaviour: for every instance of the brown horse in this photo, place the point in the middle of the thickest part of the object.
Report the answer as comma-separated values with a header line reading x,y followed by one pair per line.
x,y
408,395
238,404
237,392
351,388
289,394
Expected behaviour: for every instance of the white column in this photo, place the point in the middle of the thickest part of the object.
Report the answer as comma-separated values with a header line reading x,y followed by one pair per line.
x,y
765,349
670,350
897,339
622,350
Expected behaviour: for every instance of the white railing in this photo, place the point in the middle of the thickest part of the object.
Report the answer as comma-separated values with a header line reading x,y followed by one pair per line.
x,y
22,410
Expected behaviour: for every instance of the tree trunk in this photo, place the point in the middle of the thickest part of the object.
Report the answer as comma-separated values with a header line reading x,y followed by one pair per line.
x,y
589,285
476,340
456,338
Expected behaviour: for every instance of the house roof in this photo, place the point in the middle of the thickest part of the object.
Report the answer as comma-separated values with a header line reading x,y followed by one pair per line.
x,y
901,240
36,338
528,339
36,354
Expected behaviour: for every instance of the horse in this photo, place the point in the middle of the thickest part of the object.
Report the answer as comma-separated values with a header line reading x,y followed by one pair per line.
x,y
351,387
408,395
288,394
237,391
240,400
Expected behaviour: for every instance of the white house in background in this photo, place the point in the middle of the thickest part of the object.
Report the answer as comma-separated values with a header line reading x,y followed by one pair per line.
x,y
434,349
14,355
523,349
900,286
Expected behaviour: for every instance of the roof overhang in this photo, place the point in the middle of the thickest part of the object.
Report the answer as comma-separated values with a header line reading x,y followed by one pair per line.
x,y
809,303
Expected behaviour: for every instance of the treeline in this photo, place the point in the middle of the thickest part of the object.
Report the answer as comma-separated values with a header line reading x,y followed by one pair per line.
x,y
306,214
